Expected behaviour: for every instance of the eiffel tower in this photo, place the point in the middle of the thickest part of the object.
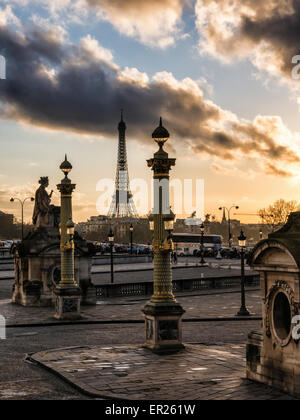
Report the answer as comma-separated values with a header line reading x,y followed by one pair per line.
x,y
122,204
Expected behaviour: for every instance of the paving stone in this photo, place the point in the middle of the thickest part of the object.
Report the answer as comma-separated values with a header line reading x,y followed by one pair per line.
x,y
151,378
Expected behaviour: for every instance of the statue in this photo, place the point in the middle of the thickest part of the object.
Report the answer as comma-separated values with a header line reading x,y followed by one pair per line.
x,y
44,213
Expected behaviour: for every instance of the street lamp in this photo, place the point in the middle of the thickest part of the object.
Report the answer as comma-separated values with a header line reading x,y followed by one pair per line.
x,y
12,200
261,234
111,239
131,238
169,224
242,243
229,222
70,229
68,292
202,229
163,313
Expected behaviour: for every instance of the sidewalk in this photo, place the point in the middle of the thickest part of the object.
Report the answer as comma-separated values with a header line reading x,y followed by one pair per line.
x,y
129,372
203,306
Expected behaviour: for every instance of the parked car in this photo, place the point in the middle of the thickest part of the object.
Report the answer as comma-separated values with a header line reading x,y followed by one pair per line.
x,y
143,249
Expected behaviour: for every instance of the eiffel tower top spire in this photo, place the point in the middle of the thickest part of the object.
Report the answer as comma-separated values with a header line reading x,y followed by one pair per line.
x,y
122,125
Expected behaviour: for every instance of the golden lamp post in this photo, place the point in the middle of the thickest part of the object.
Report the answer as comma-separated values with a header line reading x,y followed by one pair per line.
x,y
68,292
163,313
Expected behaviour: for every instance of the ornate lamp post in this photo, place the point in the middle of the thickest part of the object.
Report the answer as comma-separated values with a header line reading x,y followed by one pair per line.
x,y
242,243
261,234
202,228
111,240
12,200
67,292
162,314
229,222
131,238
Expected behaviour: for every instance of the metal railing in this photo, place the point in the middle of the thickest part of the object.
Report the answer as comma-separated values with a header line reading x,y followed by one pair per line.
x,y
146,288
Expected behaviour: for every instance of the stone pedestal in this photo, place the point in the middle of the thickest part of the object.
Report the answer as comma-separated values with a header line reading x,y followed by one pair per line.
x,y
273,354
38,268
163,327
67,305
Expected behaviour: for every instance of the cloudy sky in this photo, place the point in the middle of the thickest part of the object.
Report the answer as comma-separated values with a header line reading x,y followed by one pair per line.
x,y
218,71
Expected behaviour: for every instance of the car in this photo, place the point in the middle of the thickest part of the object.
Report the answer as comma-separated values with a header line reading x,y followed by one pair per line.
x,y
143,249
182,252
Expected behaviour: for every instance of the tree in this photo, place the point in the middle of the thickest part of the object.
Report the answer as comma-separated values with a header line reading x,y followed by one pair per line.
x,y
277,213
207,218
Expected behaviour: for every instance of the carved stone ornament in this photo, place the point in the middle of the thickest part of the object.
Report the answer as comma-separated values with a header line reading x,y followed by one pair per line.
x,y
279,286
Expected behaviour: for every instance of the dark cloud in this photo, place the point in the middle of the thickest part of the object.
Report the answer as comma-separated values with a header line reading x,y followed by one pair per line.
x,y
262,143
86,95
267,32
281,31
68,87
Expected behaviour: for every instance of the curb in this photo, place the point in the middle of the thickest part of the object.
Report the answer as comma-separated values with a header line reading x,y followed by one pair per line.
x,y
86,392
130,321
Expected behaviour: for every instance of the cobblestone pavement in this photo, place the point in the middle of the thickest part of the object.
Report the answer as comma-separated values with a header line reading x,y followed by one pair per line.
x,y
133,373
24,381
202,305
19,380
5,275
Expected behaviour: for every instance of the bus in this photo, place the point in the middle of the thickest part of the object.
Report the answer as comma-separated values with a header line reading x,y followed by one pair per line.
x,y
187,244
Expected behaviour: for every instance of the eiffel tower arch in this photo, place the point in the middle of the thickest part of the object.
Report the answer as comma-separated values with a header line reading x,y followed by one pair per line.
x,y
122,204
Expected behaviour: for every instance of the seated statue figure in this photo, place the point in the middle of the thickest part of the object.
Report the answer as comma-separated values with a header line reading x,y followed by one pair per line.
x,y
44,214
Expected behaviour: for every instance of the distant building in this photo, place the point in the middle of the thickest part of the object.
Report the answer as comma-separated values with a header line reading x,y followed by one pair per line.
x,y
98,227
7,226
6,219
94,224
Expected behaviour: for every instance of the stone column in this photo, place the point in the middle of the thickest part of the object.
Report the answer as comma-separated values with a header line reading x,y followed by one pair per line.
x,y
67,292
162,314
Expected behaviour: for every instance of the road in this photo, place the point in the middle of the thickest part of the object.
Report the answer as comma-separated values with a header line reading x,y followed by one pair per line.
x,y
19,380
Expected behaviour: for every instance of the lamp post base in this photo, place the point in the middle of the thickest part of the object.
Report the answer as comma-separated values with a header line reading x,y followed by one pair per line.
x,y
67,303
203,264
243,312
163,327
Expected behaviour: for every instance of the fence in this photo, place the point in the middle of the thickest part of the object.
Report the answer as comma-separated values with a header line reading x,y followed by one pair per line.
x,y
146,288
